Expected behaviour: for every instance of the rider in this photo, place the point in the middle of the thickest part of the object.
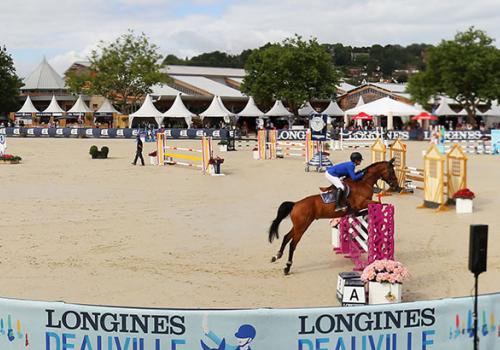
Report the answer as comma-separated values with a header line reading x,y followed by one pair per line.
x,y
334,172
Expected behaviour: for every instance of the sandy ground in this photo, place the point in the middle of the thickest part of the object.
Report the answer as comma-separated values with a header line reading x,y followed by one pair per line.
x,y
106,232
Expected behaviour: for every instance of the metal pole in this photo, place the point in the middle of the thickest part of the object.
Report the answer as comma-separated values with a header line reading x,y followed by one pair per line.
x,y
476,339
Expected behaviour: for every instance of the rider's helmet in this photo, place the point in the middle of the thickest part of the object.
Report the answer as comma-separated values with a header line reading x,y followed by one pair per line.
x,y
245,331
356,156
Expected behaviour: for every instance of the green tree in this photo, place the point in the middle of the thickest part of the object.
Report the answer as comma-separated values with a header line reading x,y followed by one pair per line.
x,y
126,68
466,69
10,83
294,70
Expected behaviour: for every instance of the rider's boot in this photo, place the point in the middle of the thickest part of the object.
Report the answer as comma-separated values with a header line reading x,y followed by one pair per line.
x,y
338,200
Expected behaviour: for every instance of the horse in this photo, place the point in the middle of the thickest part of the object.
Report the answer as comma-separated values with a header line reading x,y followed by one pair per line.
x,y
308,209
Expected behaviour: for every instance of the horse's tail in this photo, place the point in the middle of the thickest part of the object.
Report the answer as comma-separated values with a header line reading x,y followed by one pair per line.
x,y
283,211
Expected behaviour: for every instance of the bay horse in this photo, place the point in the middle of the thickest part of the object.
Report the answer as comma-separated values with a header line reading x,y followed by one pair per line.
x,y
308,209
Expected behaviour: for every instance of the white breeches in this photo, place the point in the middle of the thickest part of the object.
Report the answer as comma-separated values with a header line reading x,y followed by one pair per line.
x,y
335,181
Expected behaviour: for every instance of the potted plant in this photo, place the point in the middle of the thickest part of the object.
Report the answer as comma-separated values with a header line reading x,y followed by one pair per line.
x,y
463,200
215,163
153,158
223,145
385,278
255,151
9,159
96,154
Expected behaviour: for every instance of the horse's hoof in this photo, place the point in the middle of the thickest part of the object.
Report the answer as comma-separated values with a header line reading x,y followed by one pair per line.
x,y
286,271
273,259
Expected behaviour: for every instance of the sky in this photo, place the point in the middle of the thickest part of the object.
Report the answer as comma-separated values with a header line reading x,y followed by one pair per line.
x,y
67,31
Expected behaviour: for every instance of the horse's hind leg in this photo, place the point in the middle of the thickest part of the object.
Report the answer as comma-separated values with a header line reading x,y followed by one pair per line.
x,y
296,235
286,239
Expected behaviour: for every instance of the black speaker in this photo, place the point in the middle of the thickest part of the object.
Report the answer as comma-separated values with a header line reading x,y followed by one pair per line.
x,y
478,245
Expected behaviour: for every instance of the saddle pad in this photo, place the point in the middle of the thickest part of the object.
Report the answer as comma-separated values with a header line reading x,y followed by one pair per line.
x,y
328,197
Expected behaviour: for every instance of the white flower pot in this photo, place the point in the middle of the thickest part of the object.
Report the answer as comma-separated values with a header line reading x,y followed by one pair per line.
x,y
256,155
384,293
153,160
223,148
463,206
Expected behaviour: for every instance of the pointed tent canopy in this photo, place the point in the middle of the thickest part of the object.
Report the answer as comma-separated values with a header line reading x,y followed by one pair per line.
x,y
147,110
463,112
385,106
53,109
306,110
360,101
444,109
278,110
27,108
179,110
251,109
217,109
494,111
44,77
106,108
79,108
333,110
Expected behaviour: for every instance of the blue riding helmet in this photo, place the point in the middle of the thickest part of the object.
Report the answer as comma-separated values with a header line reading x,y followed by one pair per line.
x,y
245,331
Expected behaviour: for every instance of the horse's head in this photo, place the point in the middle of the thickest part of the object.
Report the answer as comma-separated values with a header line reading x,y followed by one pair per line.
x,y
389,175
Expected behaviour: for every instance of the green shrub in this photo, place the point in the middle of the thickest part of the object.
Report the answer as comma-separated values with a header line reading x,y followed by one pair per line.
x,y
94,151
104,152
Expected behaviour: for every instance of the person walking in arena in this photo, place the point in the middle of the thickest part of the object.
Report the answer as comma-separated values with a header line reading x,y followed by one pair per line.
x,y
138,152
346,169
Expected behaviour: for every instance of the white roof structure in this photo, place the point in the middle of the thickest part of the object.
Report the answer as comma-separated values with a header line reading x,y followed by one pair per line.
x,y
27,107
306,110
251,109
444,109
79,107
147,110
54,108
463,112
107,108
345,86
204,71
333,110
178,109
208,85
385,106
44,77
164,90
278,110
494,111
392,87
217,109
360,101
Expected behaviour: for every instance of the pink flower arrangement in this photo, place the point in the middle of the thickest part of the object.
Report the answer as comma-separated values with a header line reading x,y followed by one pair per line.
x,y
385,271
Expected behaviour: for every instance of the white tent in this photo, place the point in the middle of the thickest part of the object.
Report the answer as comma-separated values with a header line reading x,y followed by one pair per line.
x,y
494,111
107,108
217,109
179,110
147,110
306,110
54,108
278,110
26,112
360,101
333,110
251,109
444,109
385,106
79,107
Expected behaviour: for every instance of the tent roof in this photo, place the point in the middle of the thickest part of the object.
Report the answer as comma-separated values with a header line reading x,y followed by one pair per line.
x,y
360,101
147,109
306,110
333,109
384,106
107,107
178,109
444,109
216,109
28,107
80,107
208,85
54,107
278,110
251,109
44,77
494,111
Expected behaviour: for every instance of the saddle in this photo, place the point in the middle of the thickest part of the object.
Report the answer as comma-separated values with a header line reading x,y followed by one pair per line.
x,y
328,195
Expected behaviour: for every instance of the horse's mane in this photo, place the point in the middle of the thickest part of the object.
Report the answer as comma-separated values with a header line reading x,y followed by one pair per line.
x,y
372,165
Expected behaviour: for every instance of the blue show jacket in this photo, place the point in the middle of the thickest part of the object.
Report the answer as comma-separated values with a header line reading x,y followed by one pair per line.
x,y
344,169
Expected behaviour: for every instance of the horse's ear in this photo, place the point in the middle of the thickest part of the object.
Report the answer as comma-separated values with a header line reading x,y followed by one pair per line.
x,y
391,162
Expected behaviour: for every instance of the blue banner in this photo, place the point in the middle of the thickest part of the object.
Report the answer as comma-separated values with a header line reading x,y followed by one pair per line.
x,y
495,141
429,325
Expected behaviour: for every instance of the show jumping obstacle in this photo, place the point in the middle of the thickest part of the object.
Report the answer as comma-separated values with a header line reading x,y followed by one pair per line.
x,y
471,146
270,148
355,143
440,178
367,238
170,154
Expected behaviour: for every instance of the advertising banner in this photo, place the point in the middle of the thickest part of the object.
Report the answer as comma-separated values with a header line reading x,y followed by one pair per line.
x,y
495,142
441,325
